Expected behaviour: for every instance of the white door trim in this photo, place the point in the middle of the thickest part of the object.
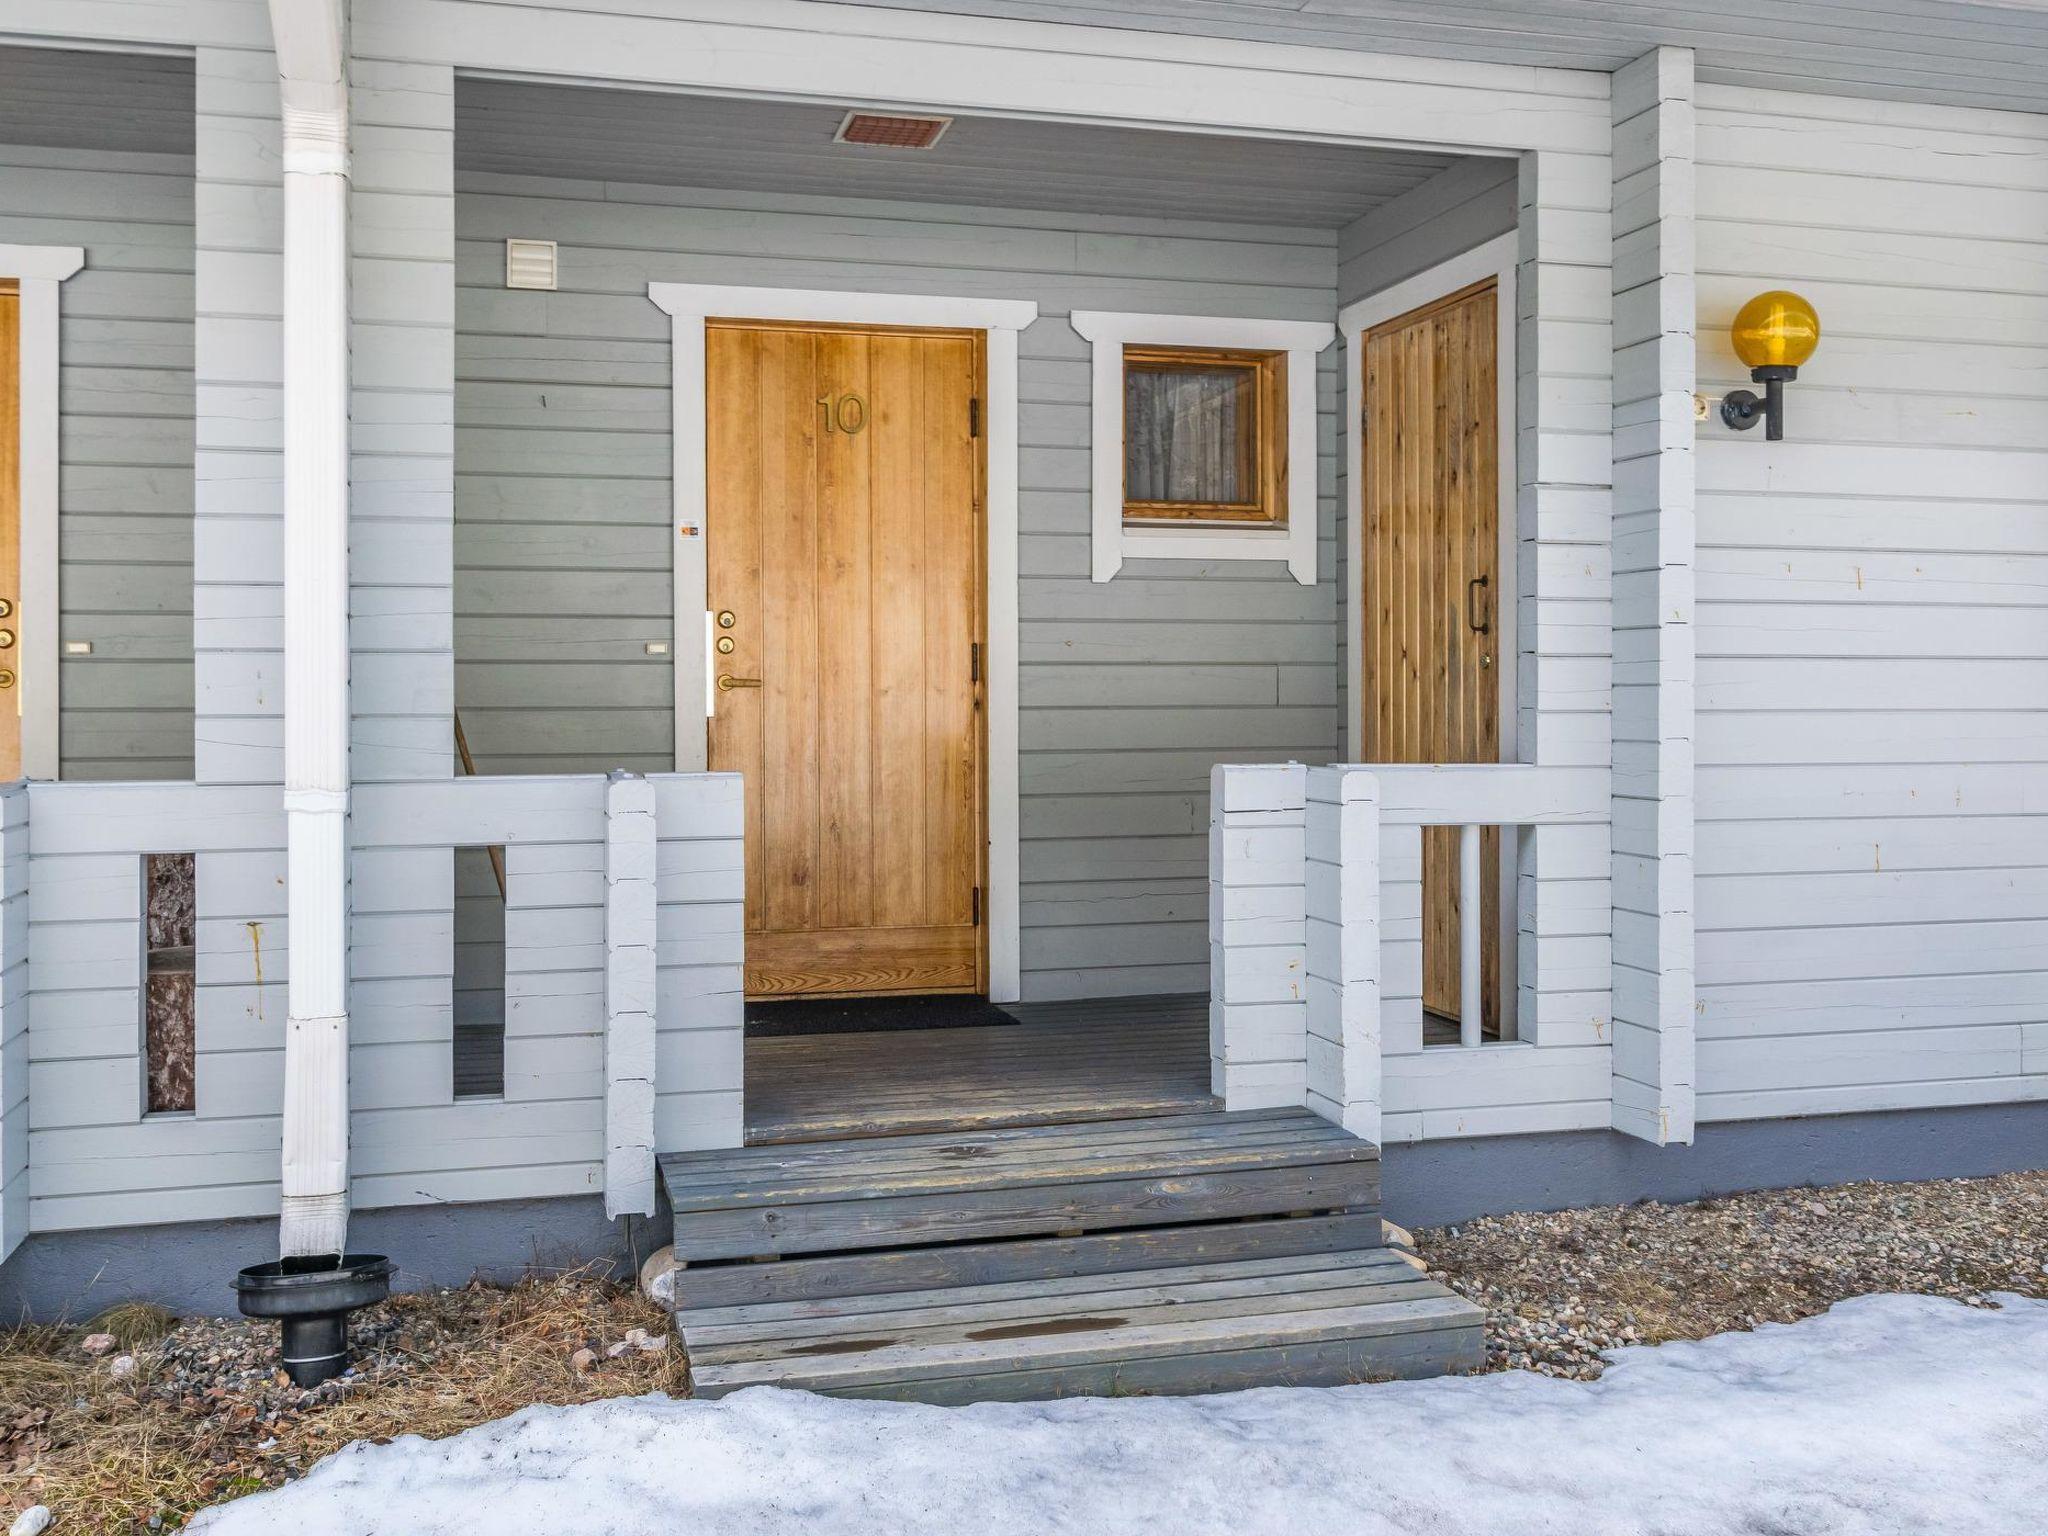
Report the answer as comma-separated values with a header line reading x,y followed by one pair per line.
x,y
1495,259
690,306
39,270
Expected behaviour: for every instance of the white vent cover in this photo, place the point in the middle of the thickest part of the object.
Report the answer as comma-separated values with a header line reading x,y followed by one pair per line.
x,y
530,264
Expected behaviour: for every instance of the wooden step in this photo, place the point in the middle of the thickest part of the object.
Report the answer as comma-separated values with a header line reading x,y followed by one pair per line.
x,y
941,1265
1306,1320
1035,1181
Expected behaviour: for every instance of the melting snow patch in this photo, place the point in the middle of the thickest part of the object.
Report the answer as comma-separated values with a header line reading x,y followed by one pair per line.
x,y
1888,1414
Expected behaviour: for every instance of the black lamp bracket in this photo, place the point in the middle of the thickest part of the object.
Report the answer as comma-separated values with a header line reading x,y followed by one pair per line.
x,y
1742,409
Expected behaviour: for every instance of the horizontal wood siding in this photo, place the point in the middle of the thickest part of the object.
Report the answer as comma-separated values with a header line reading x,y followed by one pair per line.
x,y
13,1018
1130,691
125,492
1873,613
96,1159
699,878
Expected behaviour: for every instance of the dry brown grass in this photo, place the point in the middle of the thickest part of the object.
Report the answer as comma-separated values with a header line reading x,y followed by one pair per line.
x,y
107,1454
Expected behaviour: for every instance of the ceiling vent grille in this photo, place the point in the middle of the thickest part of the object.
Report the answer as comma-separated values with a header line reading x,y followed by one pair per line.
x,y
888,132
530,264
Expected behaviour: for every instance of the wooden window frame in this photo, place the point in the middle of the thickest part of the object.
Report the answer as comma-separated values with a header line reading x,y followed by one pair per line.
x,y
1294,345
1263,437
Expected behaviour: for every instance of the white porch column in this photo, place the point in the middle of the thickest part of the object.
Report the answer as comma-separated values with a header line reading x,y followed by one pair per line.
x,y
316,719
1653,597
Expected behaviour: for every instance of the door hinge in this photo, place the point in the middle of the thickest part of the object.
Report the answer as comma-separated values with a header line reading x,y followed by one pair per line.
x,y
977,906
974,662
974,417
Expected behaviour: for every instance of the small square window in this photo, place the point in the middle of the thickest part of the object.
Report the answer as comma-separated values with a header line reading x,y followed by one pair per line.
x,y
1205,436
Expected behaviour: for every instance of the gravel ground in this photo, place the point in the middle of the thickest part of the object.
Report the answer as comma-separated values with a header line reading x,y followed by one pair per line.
x,y
1559,1287
135,1435
201,1413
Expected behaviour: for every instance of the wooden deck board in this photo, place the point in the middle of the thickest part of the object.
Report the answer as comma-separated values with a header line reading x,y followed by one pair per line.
x,y
1098,1059
1187,1329
1027,1260
935,1162
1183,1252
975,1185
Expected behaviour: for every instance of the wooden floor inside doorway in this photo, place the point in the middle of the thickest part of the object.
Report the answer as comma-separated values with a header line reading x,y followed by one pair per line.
x,y
1097,1059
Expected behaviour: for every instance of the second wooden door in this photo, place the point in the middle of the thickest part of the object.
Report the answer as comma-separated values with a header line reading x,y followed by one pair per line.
x,y
1431,585
843,479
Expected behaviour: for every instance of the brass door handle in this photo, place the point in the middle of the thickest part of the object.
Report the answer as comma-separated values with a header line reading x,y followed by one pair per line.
x,y
727,682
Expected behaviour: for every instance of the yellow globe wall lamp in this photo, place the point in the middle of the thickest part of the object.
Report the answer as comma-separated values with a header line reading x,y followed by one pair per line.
x,y
1773,334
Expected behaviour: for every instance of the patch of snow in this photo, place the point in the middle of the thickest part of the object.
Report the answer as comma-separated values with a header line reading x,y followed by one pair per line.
x,y
1903,1414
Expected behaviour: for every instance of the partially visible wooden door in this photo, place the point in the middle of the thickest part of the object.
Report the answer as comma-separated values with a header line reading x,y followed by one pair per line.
x,y
843,479
1431,585
10,529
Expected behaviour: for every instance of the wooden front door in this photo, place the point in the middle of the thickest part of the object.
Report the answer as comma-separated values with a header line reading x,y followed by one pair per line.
x,y
10,530
1431,581
843,513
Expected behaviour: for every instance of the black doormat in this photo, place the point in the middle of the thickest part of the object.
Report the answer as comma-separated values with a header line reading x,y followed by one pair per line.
x,y
860,1015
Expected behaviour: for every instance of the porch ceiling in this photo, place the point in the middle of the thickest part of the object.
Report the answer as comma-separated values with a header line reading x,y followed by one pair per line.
x,y
521,128
1993,53
71,99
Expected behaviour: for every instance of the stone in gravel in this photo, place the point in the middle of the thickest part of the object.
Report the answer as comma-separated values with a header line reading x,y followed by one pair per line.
x,y
97,1343
618,1349
583,1361
32,1521
637,1337
658,1277
651,1344
1397,1236
120,1366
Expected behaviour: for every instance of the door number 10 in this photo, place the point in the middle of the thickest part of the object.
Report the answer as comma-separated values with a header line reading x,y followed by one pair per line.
x,y
845,413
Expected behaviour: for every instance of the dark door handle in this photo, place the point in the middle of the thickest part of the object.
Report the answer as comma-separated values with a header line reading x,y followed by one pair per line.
x,y
1472,588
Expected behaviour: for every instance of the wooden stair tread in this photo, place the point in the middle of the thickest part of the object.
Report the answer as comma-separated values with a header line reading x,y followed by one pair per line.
x,y
1325,1318
866,1168
1018,1183
818,1277
1125,1290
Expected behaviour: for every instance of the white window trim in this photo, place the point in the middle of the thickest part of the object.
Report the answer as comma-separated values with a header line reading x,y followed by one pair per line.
x,y
1109,333
39,271
690,306
1495,259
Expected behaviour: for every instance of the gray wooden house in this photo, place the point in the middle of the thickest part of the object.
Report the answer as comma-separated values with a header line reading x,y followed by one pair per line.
x,y
1289,578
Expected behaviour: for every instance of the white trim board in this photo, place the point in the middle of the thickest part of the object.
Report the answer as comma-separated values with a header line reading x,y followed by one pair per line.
x,y
1108,333
39,270
1496,259
689,306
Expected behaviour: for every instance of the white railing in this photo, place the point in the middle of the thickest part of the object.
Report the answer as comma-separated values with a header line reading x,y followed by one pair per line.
x,y
1317,917
622,993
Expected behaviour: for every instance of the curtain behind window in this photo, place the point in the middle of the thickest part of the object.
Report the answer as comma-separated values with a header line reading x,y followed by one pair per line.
x,y
1187,435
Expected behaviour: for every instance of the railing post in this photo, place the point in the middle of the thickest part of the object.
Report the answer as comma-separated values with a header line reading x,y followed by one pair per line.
x,y
629,995
1257,965
1471,937
1343,929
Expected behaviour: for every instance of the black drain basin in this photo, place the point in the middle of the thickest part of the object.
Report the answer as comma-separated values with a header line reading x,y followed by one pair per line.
x,y
311,1299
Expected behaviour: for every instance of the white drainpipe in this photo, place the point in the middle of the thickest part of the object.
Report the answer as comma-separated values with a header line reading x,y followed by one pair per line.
x,y
311,57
